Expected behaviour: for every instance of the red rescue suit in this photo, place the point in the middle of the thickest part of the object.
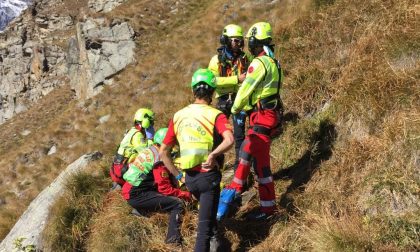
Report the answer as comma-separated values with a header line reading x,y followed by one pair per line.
x,y
259,96
160,180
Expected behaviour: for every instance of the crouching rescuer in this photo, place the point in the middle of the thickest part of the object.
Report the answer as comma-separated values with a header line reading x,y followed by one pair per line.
x,y
259,96
150,187
137,138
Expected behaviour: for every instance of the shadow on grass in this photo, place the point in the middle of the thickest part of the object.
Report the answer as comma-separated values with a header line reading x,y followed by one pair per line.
x,y
301,172
290,117
251,233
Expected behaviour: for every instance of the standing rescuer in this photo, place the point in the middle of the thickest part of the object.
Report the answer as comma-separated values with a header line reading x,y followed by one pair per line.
x,y
137,138
203,134
229,66
259,96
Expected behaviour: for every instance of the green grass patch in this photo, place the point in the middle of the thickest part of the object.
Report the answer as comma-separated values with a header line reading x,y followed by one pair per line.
x,y
69,226
322,3
399,232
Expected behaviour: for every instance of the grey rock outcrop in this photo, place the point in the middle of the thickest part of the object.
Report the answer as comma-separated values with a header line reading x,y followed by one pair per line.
x,y
104,119
35,57
31,62
54,22
52,150
33,220
97,53
28,70
104,5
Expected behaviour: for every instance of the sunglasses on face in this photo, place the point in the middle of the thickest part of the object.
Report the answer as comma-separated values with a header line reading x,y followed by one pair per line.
x,y
236,40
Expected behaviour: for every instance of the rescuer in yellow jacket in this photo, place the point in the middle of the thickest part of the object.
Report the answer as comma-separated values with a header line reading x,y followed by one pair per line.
x,y
203,134
259,95
137,138
229,66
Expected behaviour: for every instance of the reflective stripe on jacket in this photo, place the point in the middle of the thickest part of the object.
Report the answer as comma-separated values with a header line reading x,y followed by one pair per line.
x,y
262,80
141,166
194,128
133,140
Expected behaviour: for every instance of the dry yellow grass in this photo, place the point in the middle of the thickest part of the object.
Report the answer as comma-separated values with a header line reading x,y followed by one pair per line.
x,y
370,180
115,229
346,167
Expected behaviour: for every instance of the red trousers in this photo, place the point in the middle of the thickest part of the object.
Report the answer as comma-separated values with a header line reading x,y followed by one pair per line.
x,y
256,149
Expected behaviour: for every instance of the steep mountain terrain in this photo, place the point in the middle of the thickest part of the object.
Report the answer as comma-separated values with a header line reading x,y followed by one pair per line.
x,y
10,9
346,168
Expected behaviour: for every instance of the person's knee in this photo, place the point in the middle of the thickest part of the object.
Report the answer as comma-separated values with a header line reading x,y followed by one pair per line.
x,y
178,205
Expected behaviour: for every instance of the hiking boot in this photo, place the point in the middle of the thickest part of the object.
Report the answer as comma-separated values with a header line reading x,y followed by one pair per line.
x,y
227,196
136,213
237,200
258,216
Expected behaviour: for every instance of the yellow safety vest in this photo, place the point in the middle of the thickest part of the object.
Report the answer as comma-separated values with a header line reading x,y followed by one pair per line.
x,y
194,127
133,141
141,166
262,81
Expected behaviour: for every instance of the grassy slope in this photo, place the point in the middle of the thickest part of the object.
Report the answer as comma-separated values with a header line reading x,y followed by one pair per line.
x,y
346,168
351,161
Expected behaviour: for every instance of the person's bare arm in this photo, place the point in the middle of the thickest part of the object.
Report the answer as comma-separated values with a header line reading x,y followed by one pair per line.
x,y
222,148
165,155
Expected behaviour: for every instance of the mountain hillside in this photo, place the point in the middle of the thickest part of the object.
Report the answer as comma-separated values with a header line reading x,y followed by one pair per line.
x,y
346,168
10,9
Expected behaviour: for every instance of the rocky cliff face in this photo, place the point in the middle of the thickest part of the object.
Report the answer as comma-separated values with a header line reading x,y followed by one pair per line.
x,y
40,51
31,64
96,53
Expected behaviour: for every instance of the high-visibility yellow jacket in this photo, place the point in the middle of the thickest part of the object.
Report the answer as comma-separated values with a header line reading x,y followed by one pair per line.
x,y
262,81
141,166
194,128
132,142
227,72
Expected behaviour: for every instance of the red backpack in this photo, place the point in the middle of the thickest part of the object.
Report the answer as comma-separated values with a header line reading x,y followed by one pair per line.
x,y
118,168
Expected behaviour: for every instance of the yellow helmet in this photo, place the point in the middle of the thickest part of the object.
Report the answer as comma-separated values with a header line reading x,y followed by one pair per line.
x,y
145,117
259,35
260,31
233,30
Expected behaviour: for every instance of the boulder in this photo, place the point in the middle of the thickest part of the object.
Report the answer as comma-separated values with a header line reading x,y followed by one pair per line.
x,y
104,119
97,53
104,5
52,150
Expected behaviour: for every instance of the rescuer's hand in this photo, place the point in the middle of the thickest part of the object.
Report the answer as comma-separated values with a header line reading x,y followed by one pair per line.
x,y
210,162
